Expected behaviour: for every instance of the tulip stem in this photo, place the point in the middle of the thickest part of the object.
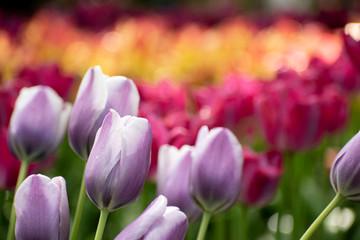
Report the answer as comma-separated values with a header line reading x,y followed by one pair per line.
x,y
337,199
204,224
22,174
101,225
79,210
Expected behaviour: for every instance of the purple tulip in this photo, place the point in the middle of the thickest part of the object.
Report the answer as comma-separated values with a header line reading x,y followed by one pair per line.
x,y
345,170
119,161
173,175
216,170
97,94
38,123
42,209
157,222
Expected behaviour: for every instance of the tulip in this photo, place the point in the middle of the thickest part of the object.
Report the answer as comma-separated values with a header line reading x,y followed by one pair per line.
x,y
351,43
157,222
42,209
344,173
260,177
119,161
173,175
97,94
344,178
38,123
216,170
290,116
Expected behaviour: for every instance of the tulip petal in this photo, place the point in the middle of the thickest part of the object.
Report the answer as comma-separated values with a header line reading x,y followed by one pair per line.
x,y
173,225
30,140
216,171
173,179
123,96
37,209
119,162
89,105
140,226
64,226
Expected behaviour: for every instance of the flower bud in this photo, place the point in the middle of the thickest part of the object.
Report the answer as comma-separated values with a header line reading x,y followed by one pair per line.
x,y
260,177
173,175
345,170
157,222
42,209
97,94
216,170
119,161
38,123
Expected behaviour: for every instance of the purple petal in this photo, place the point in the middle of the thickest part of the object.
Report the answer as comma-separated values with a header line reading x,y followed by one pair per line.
x,y
173,176
37,204
64,224
344,174
123,96
89,105
34,125
172,225
141,225
118,164
216,171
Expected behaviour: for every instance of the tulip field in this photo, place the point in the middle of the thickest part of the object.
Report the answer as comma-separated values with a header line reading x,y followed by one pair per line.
x,y
157,126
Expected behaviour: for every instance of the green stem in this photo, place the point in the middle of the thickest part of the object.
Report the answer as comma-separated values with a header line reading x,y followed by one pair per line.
x,y
204,224
244,225
22,174
101,225
79,210
337,199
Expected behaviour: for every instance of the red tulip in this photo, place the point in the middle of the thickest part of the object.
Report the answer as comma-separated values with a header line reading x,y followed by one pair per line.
x,y
260,177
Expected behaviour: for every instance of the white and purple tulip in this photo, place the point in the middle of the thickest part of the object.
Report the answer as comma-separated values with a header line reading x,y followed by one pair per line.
x,y
97,94
42,209
119,161
158,221
38,123
216,170
173,174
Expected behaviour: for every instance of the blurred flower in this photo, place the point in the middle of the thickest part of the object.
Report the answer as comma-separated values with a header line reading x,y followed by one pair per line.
x,y
38,123
119,161
344,173
216,170
260,177
352,44
173,175
48,75
157,222
42,209
345,74
97,94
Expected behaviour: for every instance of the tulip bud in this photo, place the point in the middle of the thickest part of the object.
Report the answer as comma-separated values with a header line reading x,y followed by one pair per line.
x,y
157,222
344,173
119,161
97,94
216,170
42,209
260,177
38,123
173,175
